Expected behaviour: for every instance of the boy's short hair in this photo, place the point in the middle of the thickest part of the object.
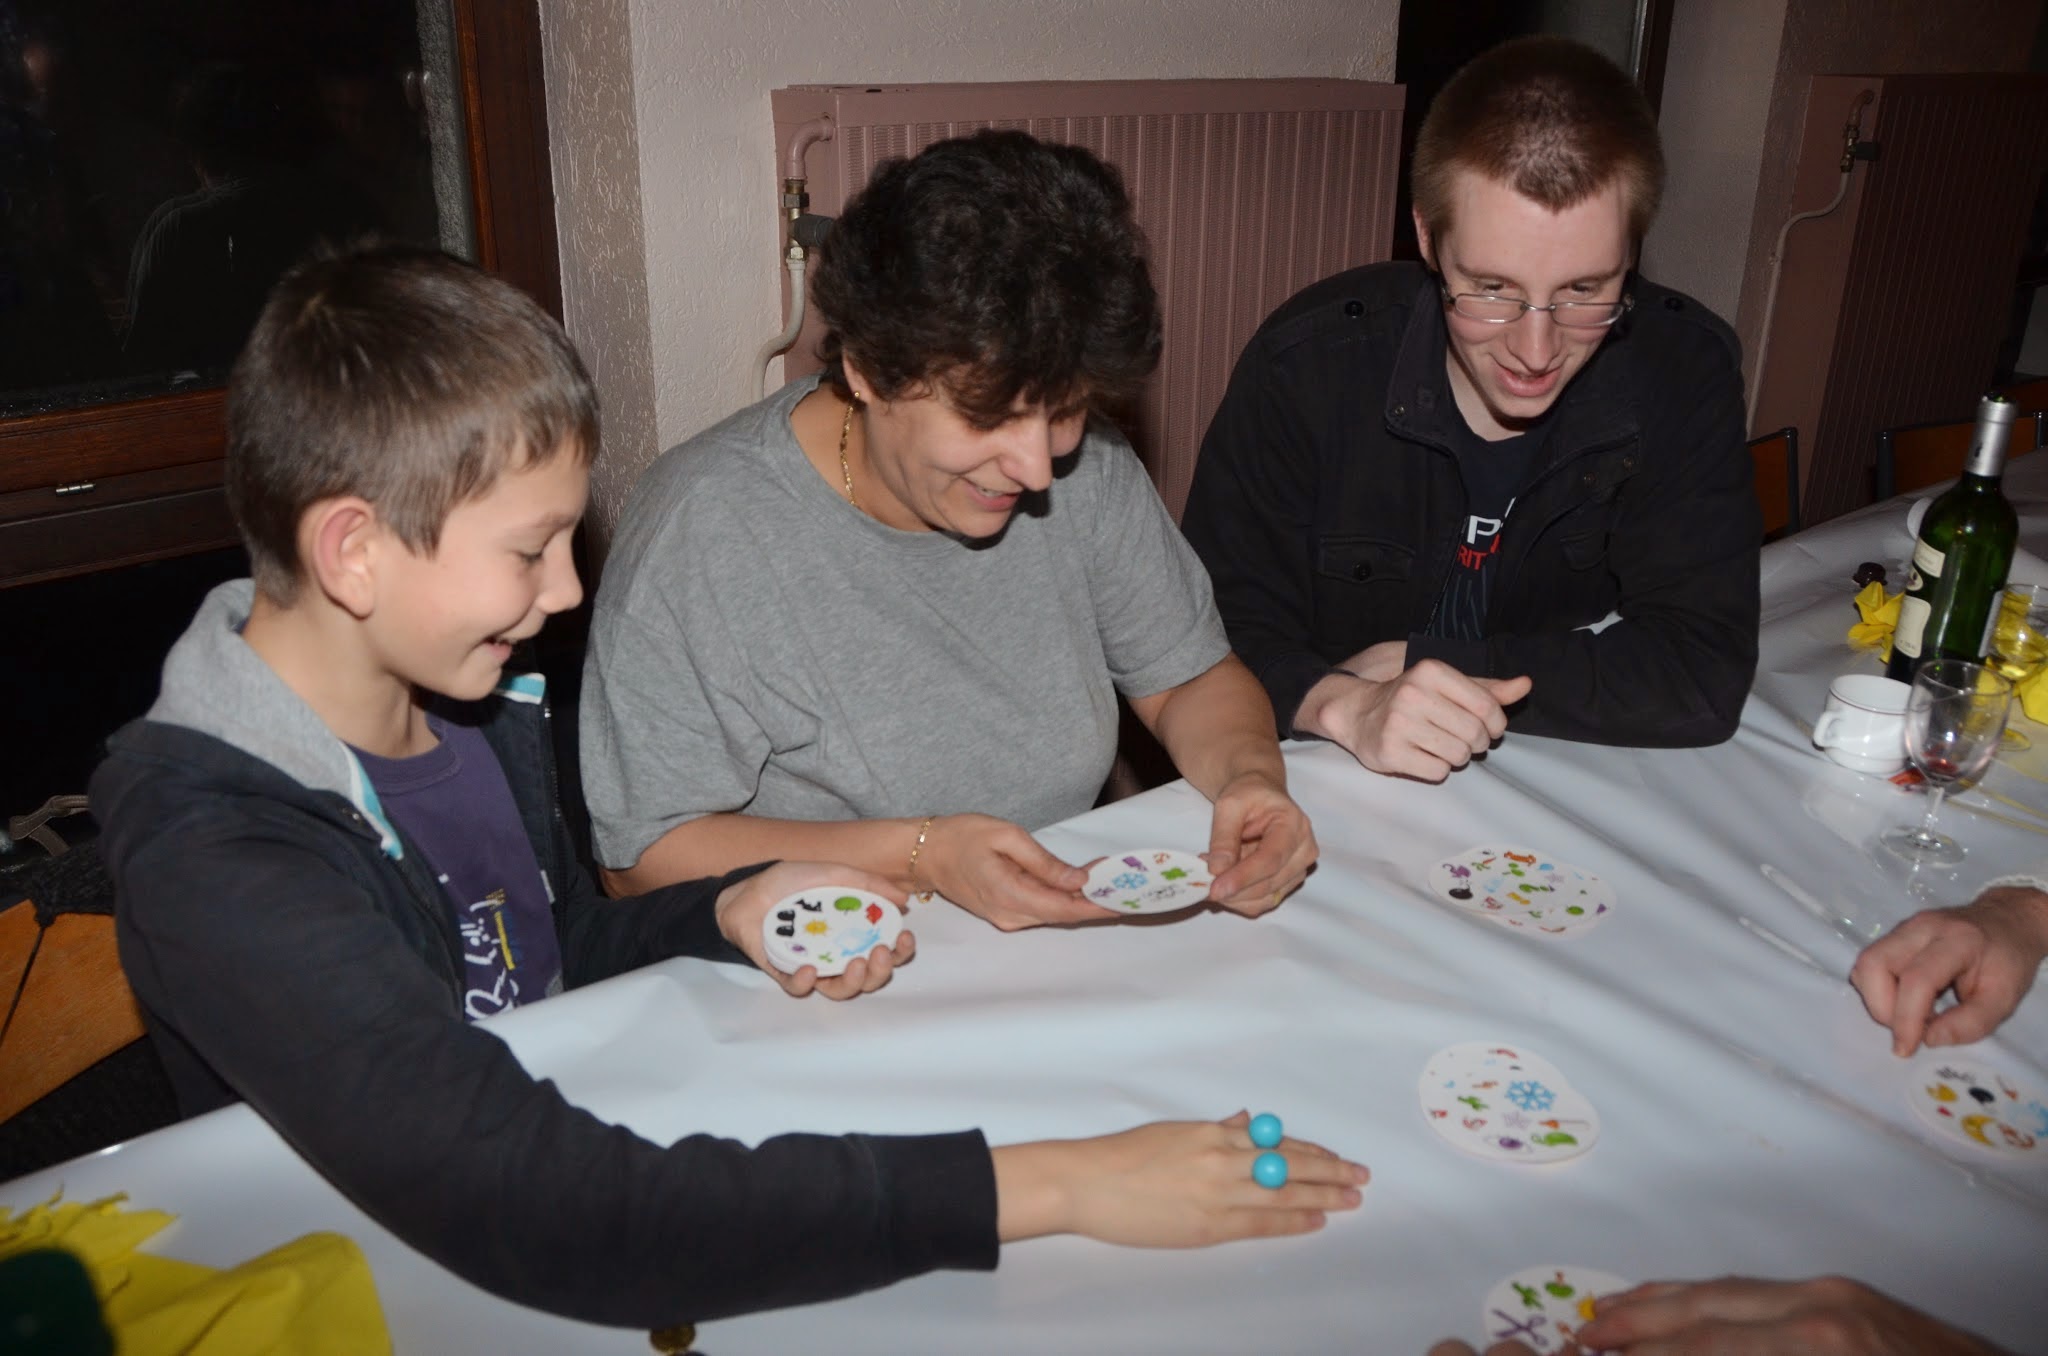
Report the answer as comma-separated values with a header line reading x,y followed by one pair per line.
x,y
1550,118
402,375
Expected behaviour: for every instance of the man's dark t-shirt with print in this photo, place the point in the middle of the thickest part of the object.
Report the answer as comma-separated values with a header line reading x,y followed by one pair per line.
x,y
1495,474
456,809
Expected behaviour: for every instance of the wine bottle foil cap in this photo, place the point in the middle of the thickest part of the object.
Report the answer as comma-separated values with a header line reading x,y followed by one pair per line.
x,y
1998,410
1995,416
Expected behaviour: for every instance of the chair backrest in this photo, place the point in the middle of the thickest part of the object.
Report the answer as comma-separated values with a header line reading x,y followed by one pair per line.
x,y
1917,455
2032,398
1774,459
75,1009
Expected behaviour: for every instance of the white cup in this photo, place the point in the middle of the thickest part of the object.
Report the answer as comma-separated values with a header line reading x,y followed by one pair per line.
x,y
1864,724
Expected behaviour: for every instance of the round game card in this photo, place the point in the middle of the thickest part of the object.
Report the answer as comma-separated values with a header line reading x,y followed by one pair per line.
x,y
1502,1102
1522,889
1967,1101
1150,880
1544,1307
828,928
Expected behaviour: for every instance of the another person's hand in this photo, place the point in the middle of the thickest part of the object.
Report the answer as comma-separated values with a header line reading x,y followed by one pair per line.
x,y
1423,722
1184,1184
1771,1318
1989,951
999,873
741,907
1260,845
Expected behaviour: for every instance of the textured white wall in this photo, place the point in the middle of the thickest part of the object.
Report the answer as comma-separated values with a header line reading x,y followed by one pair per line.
x,y
688,290
598,217
1717,98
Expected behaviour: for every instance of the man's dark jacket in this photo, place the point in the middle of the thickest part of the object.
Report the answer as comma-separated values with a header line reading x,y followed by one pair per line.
x,y
292,950
1328,507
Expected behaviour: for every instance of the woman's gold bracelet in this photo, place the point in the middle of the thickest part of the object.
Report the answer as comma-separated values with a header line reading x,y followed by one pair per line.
x,y
918,847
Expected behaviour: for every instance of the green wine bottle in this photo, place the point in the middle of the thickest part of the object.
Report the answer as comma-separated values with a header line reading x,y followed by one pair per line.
x,y
1962,555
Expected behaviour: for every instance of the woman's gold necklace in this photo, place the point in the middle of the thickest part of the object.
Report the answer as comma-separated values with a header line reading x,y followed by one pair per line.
x,y
846,471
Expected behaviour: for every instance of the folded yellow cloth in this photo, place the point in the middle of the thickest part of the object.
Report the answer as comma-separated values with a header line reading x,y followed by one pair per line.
x,y
1880,619
313,1295
2033,695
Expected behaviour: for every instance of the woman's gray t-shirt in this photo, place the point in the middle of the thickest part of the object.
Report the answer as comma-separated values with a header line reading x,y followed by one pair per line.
x,y
760,645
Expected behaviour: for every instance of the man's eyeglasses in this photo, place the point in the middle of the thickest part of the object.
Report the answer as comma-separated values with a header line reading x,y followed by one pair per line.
x,y
1573,315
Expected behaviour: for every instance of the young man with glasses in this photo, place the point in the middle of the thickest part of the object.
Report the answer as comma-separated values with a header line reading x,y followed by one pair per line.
x,y
1429,486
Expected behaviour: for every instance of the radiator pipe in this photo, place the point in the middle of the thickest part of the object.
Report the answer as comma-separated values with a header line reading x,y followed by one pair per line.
x,y
795,198
1854,148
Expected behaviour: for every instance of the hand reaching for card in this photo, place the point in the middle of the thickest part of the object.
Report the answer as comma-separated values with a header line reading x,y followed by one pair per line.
x,y
1829,1316
1168,1185
1423,722
741,909
1772,1318
1001,874
1989,951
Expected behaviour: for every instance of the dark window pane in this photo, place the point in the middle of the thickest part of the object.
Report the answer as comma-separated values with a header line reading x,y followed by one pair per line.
x,y
163,161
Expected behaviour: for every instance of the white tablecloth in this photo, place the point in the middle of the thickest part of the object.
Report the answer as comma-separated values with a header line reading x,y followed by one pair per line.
x,y
1753,1117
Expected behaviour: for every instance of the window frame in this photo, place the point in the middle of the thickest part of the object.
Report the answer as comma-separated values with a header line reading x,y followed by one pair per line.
x,y
117,483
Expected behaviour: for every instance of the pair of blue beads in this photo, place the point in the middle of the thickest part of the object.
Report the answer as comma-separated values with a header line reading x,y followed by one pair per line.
x,y
1269,1169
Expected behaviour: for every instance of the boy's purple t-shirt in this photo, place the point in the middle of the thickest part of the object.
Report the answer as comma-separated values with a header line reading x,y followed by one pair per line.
x,y
455,806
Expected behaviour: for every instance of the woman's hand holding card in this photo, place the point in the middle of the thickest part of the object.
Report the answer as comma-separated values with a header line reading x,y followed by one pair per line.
x,y
999,873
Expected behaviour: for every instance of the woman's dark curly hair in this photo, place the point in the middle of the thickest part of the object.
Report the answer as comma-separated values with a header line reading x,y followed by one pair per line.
x,y
993,267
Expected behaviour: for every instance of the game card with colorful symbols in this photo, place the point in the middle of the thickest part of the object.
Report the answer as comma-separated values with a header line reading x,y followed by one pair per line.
x,y
1969,1101
1518,888
1544,1307
828,928
1148,880
1503,1102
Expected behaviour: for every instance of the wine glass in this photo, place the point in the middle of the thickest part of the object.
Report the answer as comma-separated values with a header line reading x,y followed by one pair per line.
x,y
1953,719
2019,644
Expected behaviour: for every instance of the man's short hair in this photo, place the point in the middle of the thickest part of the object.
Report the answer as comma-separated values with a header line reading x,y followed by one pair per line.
x,y
401,375
1550,118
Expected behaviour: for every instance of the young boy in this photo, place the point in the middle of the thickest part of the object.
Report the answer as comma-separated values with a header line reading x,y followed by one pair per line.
x,y
335,840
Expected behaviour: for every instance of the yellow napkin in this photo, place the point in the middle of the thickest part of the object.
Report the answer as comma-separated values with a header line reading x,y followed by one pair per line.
x,y
1880,619
2033,695
313,1295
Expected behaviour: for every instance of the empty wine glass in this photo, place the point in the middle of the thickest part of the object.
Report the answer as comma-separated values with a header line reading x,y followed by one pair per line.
x,y
1953,719
2019,644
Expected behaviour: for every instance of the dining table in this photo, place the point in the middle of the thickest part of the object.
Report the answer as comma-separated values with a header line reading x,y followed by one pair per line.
x,y
1753,1118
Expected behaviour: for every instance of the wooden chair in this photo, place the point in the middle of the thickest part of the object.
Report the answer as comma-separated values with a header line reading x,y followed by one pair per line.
x,y
1917,455
74,1006
64,1003
1775,460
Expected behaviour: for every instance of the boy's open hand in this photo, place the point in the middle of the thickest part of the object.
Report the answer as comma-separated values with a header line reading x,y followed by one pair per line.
x,y
1168,1185
741,908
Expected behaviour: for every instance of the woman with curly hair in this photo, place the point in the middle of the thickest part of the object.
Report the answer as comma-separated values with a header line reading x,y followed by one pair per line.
x,y
881,617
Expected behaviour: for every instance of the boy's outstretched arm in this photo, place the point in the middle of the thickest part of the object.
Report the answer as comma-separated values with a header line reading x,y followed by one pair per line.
x,y
265,958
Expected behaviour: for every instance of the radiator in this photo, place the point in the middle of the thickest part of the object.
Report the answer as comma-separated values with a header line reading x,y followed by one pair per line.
x,y
1247,191
1890,310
